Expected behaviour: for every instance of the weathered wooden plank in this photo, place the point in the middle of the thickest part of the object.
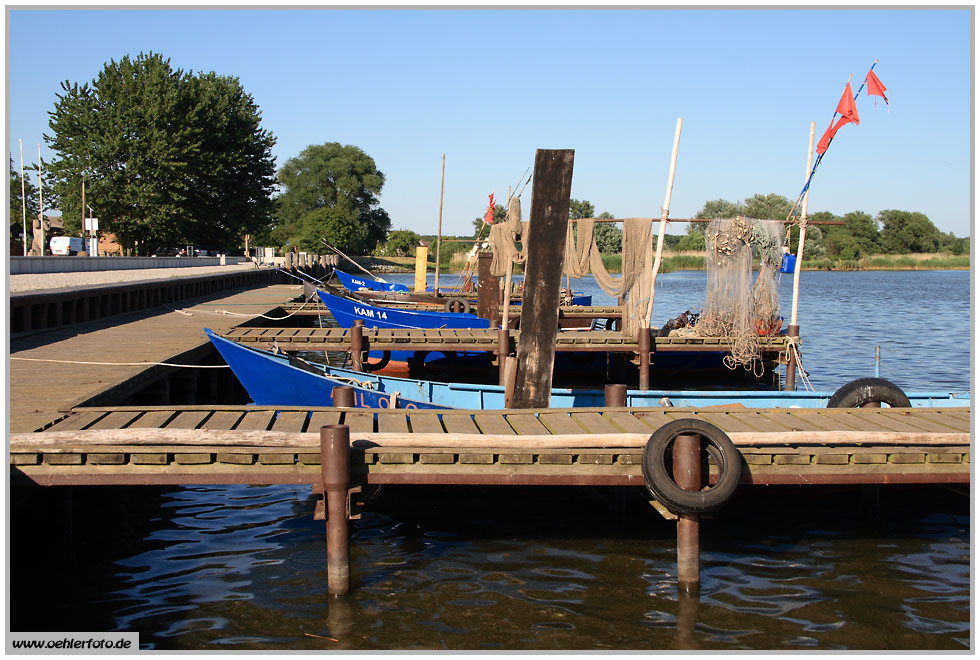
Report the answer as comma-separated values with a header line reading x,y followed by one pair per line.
x,y
115,420
154,419
539,311
492,422
290,421
626,422
594,422
359,422
460,423
224,420
791,422
78,420
426,423
524,424
393,423
258,420
190,419
560,423
727,421
323,418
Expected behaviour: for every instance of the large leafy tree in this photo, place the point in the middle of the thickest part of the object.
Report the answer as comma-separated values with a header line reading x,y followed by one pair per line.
x,y
167,157
767,207
903,232
342,183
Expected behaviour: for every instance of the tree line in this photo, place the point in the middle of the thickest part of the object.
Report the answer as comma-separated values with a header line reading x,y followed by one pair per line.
x,y
168,157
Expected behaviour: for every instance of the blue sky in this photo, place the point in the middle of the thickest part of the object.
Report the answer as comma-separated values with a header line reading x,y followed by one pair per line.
x,y
489,87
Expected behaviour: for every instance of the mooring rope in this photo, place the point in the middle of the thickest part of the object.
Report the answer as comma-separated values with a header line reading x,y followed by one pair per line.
x,y
127,364
225,312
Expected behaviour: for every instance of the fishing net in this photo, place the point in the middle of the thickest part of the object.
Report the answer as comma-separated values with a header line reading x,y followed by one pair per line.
x,y
736,308
582,255
504,237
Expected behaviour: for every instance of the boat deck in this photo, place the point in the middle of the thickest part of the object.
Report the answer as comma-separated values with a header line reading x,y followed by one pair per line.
x,y
592,446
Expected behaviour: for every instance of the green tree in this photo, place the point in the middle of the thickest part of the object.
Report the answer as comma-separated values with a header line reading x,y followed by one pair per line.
x,y
865,231
815,235
767,207
903,232
608,236
716,208
341,228
167,157
401,242
950,243
578,209
338,177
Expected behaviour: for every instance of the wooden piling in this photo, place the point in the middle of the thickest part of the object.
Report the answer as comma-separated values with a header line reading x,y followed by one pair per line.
x,y
487,290
503,350
687,475
542,276
335,469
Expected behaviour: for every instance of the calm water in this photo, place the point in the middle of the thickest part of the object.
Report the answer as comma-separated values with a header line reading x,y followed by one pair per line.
x,y
238,567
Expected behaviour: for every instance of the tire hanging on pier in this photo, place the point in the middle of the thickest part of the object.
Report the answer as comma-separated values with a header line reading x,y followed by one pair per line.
x,y
465,304
868,391
658,460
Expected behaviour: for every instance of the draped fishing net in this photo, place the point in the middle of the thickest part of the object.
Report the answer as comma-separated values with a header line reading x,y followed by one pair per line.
x,y
735,307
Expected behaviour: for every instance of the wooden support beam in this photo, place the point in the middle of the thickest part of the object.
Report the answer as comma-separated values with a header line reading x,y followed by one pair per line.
x,y
487,290
542,276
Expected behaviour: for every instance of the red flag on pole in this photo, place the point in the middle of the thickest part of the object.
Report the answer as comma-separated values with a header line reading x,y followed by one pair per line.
x,y
488,218
848,112
875,88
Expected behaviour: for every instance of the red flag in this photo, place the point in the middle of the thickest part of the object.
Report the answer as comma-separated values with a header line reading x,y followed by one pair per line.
x,y
488,218
875,87
848,113
846,107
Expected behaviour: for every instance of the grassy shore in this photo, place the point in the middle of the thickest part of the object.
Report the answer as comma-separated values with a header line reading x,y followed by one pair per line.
x,y
674,261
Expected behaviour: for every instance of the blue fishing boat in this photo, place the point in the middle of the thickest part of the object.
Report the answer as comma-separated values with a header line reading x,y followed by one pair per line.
x,y
345,312
356,283
281,379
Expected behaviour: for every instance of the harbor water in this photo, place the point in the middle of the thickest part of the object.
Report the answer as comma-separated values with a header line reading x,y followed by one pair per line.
x,y
232,568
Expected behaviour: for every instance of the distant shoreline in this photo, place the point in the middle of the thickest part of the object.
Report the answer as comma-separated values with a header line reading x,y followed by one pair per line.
x,y
695,262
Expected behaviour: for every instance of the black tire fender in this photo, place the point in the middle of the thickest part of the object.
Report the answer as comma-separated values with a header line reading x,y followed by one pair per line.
x,y
866,391
462,301
657,469
380,364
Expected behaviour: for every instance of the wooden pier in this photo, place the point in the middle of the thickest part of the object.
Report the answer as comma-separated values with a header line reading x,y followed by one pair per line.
x,y
583,446
476,339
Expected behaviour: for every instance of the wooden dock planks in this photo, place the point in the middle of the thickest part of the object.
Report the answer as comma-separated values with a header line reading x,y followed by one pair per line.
x,y
40,391
597,446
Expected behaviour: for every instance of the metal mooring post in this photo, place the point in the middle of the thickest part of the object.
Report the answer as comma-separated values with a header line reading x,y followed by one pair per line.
x,y
343,396
357,345
793,332
335,471
643,346
687,475
615,396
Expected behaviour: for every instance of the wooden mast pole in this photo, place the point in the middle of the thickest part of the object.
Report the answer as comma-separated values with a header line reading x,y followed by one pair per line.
x,y
23,199
40,198
664,212
794,328
442,188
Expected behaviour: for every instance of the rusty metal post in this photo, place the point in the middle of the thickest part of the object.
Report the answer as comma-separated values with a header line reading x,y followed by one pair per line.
x,y
615,396
792,331
335,471
343,396
687,475
643,346
357,345
503,350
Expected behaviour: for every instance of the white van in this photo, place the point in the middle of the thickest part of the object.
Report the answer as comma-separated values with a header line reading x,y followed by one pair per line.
x,y
67,245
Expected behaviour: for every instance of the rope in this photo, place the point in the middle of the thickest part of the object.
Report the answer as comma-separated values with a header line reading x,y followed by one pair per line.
x,y
804,376
225,312
127,364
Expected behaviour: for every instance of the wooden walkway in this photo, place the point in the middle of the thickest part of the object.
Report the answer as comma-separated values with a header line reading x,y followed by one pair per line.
x,y
46,380
472,339
595,446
